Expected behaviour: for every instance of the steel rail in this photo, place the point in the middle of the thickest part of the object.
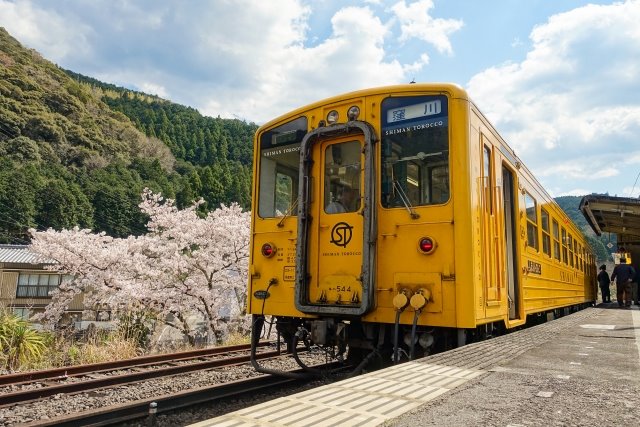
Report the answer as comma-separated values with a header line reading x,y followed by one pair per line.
x,y
169,402
57,373
108,381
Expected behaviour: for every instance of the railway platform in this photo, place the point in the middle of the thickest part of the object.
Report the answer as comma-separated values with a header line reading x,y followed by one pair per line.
x,y
579,370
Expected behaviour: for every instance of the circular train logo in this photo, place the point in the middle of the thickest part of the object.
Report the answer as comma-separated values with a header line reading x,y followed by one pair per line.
x,y
341,234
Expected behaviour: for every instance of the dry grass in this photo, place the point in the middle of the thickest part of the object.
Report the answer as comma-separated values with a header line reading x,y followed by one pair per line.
x,y
236,338
100,347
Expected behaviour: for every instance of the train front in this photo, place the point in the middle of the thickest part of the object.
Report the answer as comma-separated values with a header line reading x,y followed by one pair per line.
x,y
352,231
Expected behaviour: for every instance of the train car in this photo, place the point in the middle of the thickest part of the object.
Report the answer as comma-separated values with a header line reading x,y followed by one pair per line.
x,y
394,222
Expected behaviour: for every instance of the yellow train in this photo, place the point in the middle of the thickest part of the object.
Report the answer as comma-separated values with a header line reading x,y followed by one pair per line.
x,y
393,222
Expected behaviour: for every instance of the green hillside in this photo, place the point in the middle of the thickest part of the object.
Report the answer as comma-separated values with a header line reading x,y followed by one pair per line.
x,y
74,151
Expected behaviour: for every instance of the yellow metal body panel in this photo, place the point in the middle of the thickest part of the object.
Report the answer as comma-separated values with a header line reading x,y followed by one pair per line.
x,y
482,269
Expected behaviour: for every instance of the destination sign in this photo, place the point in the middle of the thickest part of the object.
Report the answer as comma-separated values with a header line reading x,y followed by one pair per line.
x,y
287,137
409,112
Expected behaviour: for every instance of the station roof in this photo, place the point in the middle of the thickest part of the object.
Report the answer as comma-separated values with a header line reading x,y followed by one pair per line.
x,y
619,215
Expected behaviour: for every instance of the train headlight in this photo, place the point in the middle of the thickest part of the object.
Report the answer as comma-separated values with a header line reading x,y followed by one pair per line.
x,y
332,117
353,113
427,245
268,250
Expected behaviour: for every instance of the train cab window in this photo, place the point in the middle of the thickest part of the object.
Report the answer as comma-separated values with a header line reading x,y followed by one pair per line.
x,y
278,168
342,177
556,240
415,151
565,257
546,237
532,221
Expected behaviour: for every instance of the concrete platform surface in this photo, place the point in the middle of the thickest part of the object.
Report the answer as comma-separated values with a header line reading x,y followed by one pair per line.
x,y
585,375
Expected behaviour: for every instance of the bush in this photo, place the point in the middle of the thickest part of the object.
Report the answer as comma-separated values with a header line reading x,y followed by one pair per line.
x,y
136,326
19,343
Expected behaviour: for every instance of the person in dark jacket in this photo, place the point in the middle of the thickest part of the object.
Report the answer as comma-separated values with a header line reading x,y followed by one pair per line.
x,y
636,287
623,275
604,281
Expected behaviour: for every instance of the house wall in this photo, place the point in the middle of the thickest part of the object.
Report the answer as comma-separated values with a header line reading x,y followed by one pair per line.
x,y
9,286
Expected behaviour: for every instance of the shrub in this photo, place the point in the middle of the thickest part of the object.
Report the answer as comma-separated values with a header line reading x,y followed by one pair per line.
x,y
19,343
136,326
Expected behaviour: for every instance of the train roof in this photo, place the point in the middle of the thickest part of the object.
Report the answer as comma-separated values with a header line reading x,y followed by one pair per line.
x,y
451,88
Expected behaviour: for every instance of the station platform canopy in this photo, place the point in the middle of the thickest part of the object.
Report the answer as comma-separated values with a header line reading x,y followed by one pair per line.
x,y
619,215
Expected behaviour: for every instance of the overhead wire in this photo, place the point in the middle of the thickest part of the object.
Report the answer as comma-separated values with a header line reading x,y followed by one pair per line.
x,y
634,185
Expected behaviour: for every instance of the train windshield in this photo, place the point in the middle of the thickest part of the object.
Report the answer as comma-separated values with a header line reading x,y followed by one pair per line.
x,y
415,151
279,166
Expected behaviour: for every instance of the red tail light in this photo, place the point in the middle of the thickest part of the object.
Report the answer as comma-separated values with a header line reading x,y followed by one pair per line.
x,y
426,245
268,250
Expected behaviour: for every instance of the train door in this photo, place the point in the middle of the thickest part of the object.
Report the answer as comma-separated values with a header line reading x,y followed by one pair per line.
x,y
336,257
509,209
490,247
335,244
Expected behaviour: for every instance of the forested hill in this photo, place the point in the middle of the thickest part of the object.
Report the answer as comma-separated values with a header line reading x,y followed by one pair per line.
x,y
221,149
571,205
75,151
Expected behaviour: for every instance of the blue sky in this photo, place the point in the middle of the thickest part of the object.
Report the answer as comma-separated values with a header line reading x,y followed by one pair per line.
x,y
560,79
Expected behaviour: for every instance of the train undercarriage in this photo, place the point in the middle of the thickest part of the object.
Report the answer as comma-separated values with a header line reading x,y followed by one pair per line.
x,y
361,347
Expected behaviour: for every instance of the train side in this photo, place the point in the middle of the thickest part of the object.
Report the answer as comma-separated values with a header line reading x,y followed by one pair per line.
x,y
450,236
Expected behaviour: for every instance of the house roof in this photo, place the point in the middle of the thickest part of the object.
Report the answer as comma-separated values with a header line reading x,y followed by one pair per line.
x,y
20,254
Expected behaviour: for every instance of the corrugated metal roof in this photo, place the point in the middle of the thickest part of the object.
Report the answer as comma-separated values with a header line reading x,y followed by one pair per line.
x,y
20,254
620,215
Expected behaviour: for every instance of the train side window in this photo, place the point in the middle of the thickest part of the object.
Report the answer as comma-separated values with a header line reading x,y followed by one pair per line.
x,y
581,256
486,176
570,246
565,257
532,221
546,238
556,240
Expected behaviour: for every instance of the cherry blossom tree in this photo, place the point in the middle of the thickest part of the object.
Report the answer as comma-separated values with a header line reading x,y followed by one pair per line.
x,y
185,267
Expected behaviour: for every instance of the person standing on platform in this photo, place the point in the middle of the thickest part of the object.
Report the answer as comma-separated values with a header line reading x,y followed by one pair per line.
x,y
636,287
604,281
623,274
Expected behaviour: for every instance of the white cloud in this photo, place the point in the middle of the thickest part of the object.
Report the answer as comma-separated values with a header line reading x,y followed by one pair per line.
x,y
416,22
154,89
56,37
570,108
244,58
351,57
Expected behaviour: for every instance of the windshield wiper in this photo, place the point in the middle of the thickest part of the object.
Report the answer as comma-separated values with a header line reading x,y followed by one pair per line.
x,y
405,199
287,214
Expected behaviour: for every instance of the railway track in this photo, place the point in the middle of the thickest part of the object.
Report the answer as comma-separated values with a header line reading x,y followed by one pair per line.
x,y
111,393
23,387
150,408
